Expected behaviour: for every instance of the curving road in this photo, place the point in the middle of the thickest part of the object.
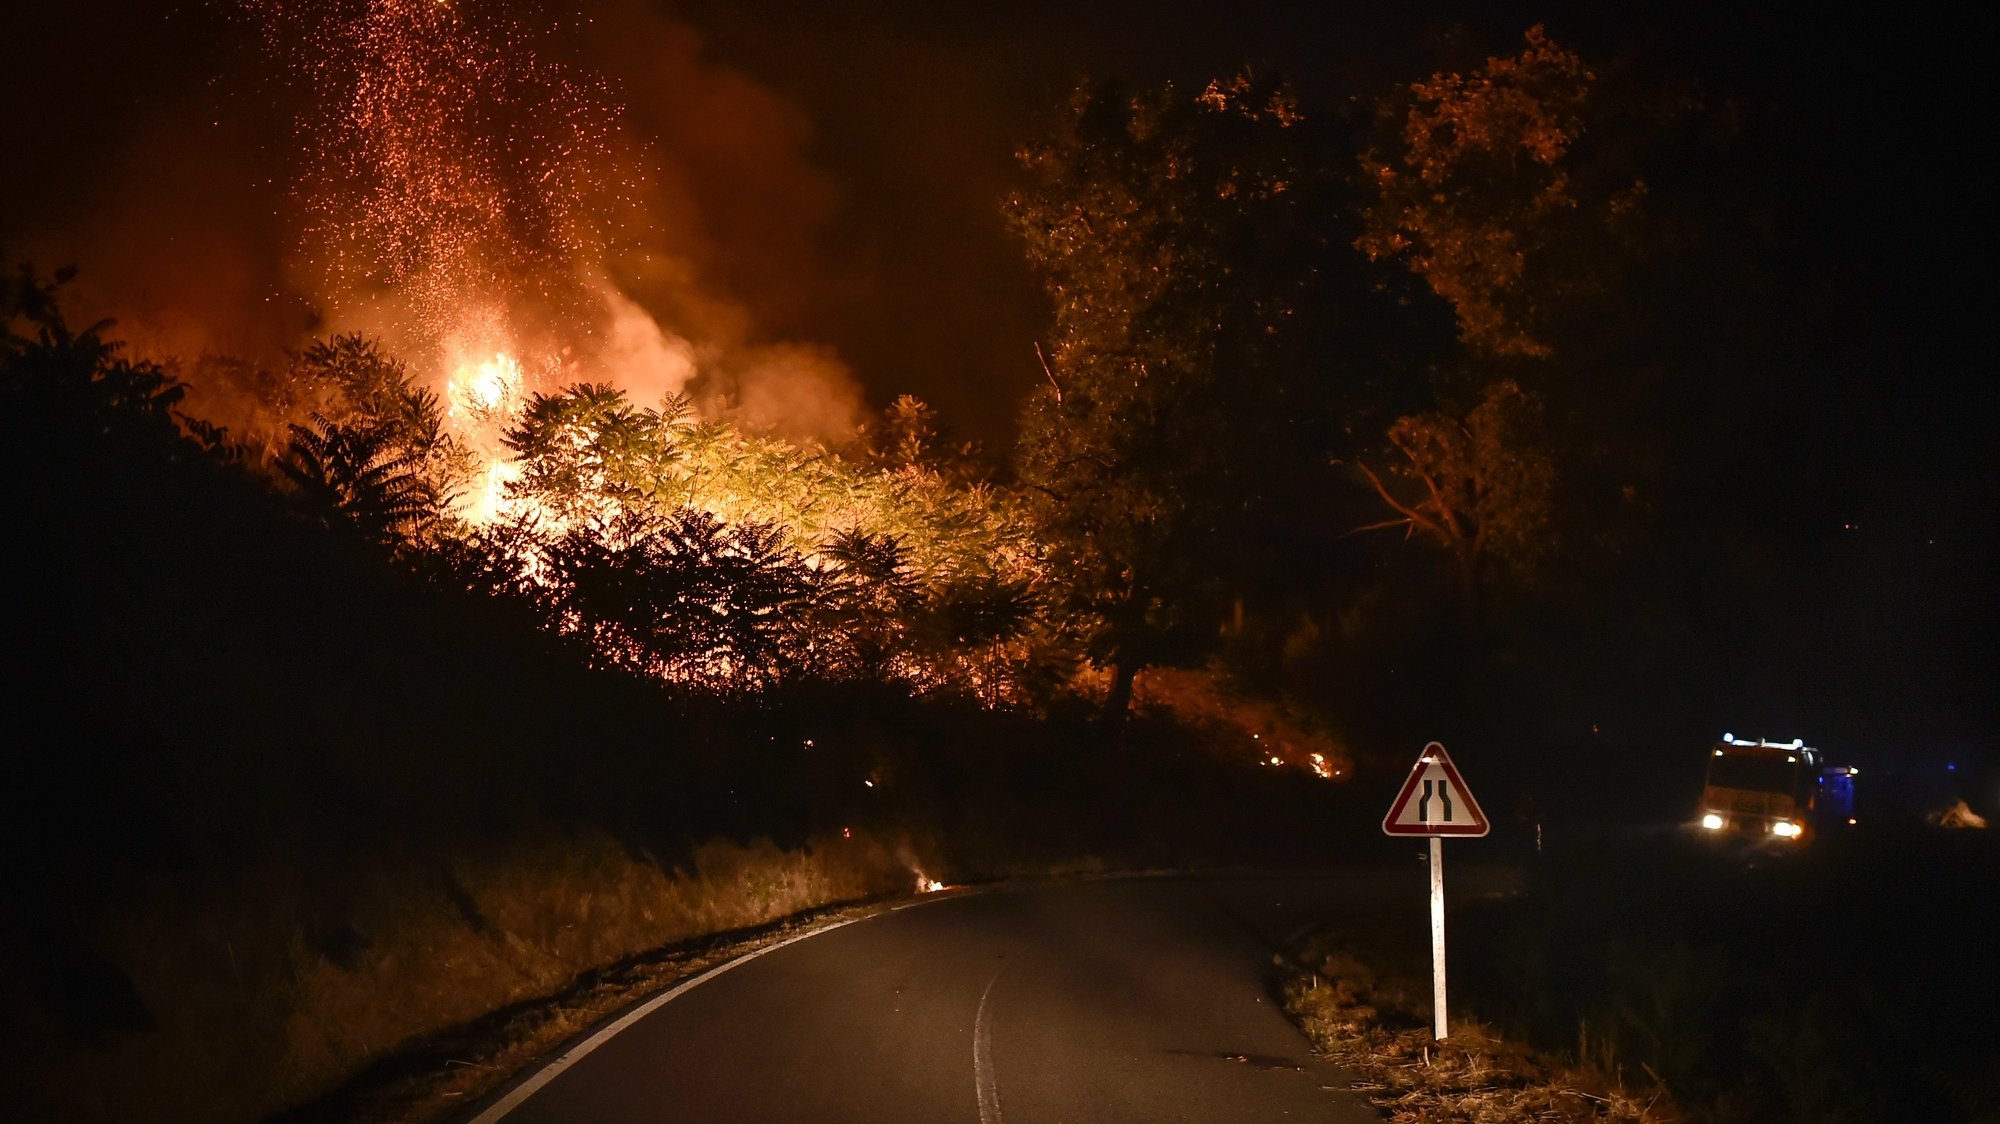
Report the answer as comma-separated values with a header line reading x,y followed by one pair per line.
x,y
1121,1000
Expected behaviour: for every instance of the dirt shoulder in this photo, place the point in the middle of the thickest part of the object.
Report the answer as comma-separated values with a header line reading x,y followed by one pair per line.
x,y
1372,1017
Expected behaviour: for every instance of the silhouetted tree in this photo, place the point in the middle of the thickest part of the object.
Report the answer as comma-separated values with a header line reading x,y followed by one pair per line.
x,y
588,450
975,615
1481,191
1482,484
355,474
682,596
909,434
869,599
78,385
1200,363
351,382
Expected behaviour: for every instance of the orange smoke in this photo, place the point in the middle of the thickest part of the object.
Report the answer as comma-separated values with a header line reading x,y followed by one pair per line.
x,y
594,198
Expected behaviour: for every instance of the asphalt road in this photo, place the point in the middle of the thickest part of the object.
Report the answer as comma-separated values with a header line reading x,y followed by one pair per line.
x,y
1115,1000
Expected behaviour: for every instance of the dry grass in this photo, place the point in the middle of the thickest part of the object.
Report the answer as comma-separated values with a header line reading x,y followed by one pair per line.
x,y
263,999
436,1078
1374,1028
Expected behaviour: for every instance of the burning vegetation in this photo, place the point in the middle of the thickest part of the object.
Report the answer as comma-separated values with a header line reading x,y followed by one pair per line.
x,y
496,407
675,546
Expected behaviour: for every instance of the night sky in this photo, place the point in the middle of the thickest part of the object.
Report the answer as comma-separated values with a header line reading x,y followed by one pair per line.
x,y
905,116
845,168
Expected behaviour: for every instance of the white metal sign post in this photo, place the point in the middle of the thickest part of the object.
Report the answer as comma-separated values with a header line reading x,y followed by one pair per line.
x,y
1435,803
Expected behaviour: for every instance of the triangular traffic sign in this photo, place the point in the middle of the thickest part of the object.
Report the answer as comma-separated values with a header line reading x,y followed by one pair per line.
x,y
1435,801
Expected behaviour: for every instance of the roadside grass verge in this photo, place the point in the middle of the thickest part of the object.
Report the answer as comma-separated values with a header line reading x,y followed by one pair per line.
x,y
1377,1026
245,999
1661,979
302,959
438,1076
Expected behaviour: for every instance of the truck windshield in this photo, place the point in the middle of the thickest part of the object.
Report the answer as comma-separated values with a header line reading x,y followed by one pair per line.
x,y
1757,773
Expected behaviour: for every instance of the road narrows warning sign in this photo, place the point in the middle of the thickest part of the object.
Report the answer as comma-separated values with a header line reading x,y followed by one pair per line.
x,y
1435,801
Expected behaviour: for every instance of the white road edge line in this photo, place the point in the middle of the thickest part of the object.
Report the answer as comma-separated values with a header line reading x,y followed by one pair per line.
x,y
576,1053
515,1097
982,1058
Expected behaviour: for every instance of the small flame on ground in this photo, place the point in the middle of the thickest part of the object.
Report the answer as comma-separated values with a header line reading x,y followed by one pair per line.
x,y
1321,766
927,884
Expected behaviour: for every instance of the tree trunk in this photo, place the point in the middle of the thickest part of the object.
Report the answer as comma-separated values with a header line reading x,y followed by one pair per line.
x,y
1118,703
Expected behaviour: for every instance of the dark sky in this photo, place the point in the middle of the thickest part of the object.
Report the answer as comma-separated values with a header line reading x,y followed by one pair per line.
x,y
904,117
844,167
916,109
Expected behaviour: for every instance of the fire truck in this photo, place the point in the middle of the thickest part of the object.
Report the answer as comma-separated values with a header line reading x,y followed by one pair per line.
x,y
1785,792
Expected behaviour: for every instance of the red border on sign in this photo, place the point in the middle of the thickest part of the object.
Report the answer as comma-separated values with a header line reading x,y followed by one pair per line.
x,y
1477,827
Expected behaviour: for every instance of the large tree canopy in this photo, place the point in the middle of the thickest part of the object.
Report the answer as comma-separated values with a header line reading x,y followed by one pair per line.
x,y
1478,486
1201,361
1481,190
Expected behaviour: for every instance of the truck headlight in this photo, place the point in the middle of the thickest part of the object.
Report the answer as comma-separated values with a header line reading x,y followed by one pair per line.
x,y
1712,822
1785,829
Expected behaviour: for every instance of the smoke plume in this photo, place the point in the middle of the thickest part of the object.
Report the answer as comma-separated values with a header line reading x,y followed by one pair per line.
x,y
588,192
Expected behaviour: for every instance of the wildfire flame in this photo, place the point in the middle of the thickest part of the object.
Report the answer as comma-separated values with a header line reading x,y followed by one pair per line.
x,y
491,501
488,385
484,392
475,201
460,194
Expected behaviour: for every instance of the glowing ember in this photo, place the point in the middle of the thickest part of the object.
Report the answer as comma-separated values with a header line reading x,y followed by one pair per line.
x,y
448,162
460,193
